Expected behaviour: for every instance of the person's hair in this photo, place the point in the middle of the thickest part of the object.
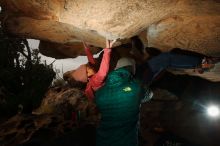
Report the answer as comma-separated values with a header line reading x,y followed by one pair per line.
x,y
128,45
94,67
137,43
76,84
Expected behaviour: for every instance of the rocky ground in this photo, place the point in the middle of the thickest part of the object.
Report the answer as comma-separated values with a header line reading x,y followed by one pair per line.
x,y
174,117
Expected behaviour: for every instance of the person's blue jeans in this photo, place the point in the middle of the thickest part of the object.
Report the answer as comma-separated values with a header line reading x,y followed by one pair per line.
x,y
173,60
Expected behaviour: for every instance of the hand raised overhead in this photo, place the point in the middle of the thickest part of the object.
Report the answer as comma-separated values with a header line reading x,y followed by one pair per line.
x,y
110,43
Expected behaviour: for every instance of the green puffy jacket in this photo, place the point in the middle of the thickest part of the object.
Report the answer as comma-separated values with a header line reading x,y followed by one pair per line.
x,y
118,102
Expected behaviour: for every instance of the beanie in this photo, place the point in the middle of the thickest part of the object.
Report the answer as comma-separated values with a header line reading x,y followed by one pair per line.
x,y
124,61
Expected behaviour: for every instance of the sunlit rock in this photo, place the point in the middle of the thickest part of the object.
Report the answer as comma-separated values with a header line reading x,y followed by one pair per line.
x,y
190,24
59,100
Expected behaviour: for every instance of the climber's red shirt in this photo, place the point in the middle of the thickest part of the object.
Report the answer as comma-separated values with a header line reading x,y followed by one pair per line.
x,y
97,80
90,57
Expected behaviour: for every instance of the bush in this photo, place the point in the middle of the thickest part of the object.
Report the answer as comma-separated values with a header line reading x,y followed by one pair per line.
x,y
22,75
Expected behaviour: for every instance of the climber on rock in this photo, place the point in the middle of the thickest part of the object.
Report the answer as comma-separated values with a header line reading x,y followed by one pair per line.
x,y
87,73
169,60
94,73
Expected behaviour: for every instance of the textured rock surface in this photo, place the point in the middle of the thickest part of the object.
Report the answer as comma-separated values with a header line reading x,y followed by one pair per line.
x,y
57,99
62,51
195,33
180,114
189,24
64,100
53,122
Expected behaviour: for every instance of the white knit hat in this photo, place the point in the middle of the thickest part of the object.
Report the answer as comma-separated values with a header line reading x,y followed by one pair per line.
x,y
122,62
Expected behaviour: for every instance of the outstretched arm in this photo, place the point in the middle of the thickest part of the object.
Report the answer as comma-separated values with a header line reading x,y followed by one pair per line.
x,y
104,66
97,80
89,55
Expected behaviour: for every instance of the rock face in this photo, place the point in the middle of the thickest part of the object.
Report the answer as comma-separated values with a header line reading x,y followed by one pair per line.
x,y
189,24
53,120
181,114
66,100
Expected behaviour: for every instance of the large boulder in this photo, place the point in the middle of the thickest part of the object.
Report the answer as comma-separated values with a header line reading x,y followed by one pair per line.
x,y
189,24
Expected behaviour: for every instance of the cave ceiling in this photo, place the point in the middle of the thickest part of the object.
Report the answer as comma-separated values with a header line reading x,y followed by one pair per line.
x,y
62,24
